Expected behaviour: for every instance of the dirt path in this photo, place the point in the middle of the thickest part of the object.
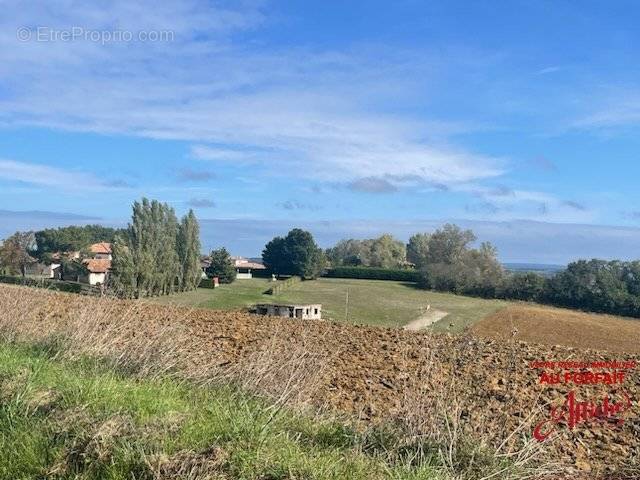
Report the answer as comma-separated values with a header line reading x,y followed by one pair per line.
x,y
429,318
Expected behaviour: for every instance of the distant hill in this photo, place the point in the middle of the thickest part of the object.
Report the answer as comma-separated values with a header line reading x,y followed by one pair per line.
x,y
541,268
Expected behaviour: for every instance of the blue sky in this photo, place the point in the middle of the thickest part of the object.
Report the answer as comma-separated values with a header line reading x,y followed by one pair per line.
x,y
380,115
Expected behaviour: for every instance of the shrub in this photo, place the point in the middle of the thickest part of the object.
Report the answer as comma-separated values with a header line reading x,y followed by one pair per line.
x,y
527,286
206,283
370,273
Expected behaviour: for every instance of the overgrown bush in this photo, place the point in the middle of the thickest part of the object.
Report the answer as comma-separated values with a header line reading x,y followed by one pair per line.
x,y
527,286
206,283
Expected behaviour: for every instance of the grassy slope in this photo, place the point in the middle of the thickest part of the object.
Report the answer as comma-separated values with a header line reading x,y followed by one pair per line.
x,y
80,420
373,302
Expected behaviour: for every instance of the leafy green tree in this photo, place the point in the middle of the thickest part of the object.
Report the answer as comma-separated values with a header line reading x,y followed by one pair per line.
x,y
527,286
295,254
72,238
221,266
189,252
146,259
451,265
16,252
418,249
273,256
167,262
386,252
447,244
348,252
124,270
596,285
306,258
382,252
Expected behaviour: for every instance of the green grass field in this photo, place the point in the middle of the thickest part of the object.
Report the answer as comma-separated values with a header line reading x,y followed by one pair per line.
x,y
80,420
372,302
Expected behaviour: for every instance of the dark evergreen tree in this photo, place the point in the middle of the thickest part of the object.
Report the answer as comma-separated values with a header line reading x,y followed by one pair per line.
x,y
296,254
221,266
273,257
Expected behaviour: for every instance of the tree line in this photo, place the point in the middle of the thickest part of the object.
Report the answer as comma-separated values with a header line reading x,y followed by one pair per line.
x,y
71,239
447,261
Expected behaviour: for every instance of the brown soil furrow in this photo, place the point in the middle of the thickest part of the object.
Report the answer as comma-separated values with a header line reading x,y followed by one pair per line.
x,y
375,374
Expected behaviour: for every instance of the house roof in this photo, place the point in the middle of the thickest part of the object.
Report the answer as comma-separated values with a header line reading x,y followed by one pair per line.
x,y
248,264
98,265
101,247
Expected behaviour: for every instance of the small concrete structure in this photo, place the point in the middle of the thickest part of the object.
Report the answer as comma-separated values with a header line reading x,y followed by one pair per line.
x,y
304,312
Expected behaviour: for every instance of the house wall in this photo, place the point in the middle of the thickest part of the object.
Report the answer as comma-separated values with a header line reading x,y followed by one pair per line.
x,y
95,278
243,275
55,271
304,312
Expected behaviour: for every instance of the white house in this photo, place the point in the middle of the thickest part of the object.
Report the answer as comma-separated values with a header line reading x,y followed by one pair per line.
x,y
244,267
99,265
97,271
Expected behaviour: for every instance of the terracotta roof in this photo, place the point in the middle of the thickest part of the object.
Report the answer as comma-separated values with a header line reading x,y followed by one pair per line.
x,y
98,265
101,247
247,264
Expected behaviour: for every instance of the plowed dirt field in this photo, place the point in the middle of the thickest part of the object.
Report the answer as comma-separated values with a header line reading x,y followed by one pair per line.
x,y
372,374
556,326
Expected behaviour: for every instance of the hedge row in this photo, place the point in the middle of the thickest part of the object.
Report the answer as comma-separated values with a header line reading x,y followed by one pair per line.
x,y
280,286
52,284
371,273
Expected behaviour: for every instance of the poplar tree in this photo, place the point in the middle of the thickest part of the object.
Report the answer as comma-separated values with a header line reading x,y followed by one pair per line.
x,y
156,255
189,252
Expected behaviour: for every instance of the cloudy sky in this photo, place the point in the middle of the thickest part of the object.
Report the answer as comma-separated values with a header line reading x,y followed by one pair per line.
x,y
350,118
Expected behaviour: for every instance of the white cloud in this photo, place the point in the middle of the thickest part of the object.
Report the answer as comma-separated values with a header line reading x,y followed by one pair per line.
x,y
48,176
548,70
610,106
320,114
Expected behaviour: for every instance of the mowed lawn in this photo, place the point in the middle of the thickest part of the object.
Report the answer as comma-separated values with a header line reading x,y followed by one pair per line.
x,y
372,302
